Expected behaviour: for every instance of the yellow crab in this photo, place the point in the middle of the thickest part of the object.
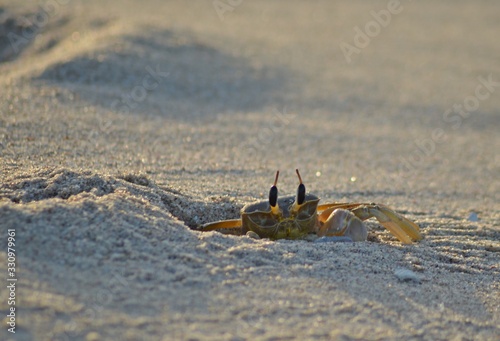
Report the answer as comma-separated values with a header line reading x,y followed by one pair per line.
x,y
295,217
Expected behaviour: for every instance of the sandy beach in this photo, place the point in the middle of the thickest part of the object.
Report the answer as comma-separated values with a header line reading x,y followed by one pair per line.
x,y
126,124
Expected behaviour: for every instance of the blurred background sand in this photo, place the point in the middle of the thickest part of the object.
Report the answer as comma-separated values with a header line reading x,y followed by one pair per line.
x,y
122,124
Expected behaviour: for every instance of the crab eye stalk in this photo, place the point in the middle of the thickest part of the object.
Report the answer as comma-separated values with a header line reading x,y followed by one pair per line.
x,y
301,191
273,195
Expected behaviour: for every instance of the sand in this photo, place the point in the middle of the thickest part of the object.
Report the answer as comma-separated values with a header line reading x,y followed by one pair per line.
x,y
125,124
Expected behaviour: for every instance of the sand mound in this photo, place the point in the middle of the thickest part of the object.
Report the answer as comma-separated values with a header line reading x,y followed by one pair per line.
x,y
125,234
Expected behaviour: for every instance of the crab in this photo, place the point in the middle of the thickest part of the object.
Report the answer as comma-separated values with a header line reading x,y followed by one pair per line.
x,y
295,217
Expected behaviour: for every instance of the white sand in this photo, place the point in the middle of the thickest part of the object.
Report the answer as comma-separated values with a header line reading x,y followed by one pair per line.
x,y
123,124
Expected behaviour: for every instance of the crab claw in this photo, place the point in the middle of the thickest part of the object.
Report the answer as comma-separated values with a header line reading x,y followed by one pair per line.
x,y
404,229
343,222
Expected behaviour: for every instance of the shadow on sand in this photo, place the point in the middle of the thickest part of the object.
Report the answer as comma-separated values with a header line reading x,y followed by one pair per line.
x,y
175,73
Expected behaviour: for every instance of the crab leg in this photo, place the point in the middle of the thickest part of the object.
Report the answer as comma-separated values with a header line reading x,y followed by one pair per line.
x,y
327,209
222,224
404,229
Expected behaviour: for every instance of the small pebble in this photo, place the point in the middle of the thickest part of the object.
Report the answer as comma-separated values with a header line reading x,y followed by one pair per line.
x,y
406,275
334,239
473,217
253,235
